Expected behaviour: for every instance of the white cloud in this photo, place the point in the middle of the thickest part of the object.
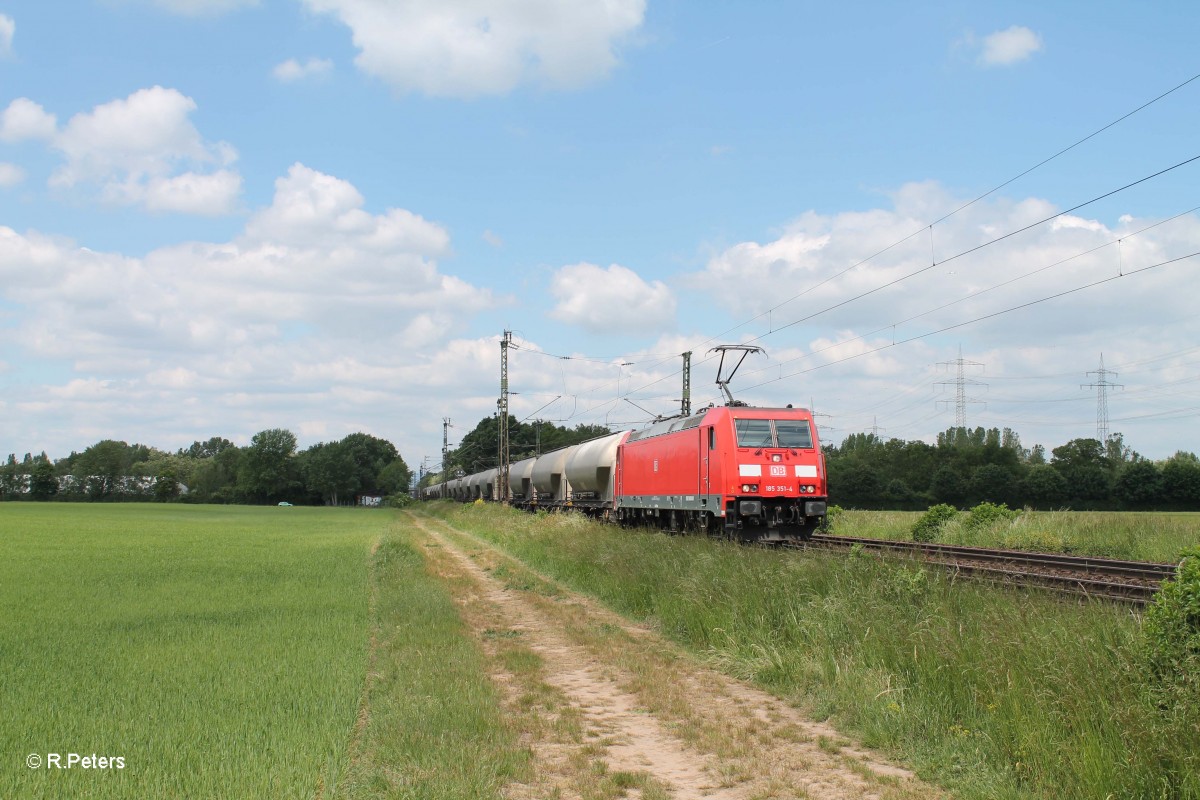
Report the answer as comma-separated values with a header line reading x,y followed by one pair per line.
x,y
494,239
143,150
485,47
312,208
1009,46
615,300
193,193
319,308
292,70
10,175
24,119
816,262
7,29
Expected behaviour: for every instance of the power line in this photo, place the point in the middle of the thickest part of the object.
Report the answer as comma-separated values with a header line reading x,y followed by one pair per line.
x,y
893,325
966,252
976,248
979,319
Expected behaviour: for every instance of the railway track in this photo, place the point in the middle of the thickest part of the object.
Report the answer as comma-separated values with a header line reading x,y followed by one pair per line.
x,y
1102,578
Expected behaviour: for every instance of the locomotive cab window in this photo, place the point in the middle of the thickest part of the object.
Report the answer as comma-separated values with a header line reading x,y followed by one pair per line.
x,y
754,433
794,433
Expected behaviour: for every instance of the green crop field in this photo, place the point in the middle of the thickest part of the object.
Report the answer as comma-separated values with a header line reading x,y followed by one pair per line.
x,y
240,652
219,652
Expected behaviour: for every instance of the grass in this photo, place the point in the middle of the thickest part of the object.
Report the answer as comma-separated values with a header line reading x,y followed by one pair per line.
x,y
993,693
1131,535
236,652
432,725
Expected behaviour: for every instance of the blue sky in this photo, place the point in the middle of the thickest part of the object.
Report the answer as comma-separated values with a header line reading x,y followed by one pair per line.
x,y
218,216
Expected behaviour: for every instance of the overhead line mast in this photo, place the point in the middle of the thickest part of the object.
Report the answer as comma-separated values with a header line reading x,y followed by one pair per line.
x,y
1101,385
686,402
961,383
502,410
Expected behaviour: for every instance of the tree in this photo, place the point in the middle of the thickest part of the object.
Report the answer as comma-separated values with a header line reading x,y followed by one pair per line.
x,y
214,446
1085,467
329,471
856,486
1139,485
369,456
265,472
395,477
99,470
12,479
214,479
1181,480
1044,486
897,494
166,482
947,486
994,484
43,483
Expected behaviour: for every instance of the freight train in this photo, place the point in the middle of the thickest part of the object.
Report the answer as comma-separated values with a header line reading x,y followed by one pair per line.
x,y
749,473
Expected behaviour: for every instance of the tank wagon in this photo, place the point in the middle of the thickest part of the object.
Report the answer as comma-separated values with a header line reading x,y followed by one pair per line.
x,y
751,473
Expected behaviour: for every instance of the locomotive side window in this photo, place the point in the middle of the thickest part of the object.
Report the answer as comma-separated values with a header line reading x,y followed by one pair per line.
x,y
753,432
794,433
712,438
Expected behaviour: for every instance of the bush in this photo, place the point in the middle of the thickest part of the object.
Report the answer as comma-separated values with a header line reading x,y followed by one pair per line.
x,y
1172,634
984,514
831,515
927,527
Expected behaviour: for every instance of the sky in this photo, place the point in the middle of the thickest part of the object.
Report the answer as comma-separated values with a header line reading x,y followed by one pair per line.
x,y
223,216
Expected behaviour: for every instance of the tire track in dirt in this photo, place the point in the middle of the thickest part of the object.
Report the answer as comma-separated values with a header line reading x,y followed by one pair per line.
x,y
643,707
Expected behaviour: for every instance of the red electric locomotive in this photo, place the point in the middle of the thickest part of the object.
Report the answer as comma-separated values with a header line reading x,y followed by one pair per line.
x,y
752,473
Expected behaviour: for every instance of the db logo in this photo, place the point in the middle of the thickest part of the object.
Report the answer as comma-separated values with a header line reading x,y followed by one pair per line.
x,y
778,471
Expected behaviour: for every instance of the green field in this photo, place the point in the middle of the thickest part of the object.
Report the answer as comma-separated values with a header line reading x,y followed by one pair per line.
x,y
219,651
1132,535
240,652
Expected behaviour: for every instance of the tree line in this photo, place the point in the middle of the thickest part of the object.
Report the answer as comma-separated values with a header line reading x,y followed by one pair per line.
x,y
269,470
967,466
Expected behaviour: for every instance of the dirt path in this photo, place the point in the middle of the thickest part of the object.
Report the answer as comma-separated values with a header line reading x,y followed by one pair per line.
x,y
609,709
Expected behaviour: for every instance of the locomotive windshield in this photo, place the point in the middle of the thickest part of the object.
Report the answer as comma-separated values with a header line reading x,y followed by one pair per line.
x,y
754,433
793,433
773,433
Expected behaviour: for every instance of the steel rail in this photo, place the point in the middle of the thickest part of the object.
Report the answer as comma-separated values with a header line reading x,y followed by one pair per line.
x,y
1133,581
